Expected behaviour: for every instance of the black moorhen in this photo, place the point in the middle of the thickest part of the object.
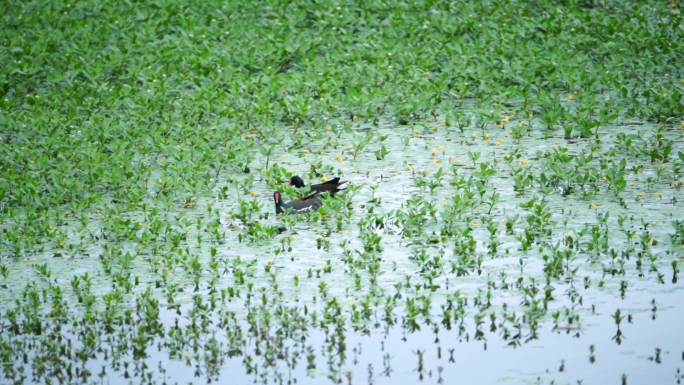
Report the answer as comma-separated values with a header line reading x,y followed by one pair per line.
x,y
331,186
304,205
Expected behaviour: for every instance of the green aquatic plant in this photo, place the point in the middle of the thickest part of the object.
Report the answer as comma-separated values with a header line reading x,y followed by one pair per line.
x,y
615,176
415,217
432,182
678,236
551,111
141,145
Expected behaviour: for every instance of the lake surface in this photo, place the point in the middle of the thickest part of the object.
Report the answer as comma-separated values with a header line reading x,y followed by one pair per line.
x,y
397,281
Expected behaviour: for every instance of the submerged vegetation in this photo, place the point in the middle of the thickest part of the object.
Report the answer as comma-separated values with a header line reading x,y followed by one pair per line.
x,y
515,177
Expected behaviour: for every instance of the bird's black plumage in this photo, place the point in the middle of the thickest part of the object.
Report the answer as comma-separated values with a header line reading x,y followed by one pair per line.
x,y
304,205
331,186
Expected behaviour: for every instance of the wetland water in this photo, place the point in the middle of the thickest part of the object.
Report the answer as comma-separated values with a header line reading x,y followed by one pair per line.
x,y
454,257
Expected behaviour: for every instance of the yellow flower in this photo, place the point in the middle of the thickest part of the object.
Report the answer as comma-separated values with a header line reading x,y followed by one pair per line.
x,y
487,136
505,120
499,143
253,194
437,150
523,162
437,161
571,97
594,206
475,223
339,159
434,129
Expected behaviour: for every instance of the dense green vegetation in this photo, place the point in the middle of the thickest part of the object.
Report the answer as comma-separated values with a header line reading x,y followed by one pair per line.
x,y
96,96
538,146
